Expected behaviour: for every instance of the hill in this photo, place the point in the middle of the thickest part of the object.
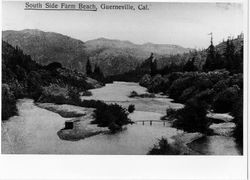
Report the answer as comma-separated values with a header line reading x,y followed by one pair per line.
x,y
113,56
47,47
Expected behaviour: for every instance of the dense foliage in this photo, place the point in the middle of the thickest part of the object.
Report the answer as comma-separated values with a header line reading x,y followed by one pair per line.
x,y
112,116
237,112
21,71
131,108
8,103
192,118
163,148
215,85
25,78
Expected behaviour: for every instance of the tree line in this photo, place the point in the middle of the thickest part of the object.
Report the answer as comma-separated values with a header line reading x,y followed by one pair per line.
x,y
215,86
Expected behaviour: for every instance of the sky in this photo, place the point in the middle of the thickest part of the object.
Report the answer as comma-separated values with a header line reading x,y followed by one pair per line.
x,y
184,24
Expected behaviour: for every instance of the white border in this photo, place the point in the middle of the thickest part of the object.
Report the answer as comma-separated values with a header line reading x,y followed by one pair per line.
x,y
136,167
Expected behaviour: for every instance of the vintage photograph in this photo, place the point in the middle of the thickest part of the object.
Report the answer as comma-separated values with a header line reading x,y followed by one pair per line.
x,y
122,78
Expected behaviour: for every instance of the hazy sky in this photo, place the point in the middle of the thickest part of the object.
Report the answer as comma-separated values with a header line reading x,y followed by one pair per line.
x,y
185,24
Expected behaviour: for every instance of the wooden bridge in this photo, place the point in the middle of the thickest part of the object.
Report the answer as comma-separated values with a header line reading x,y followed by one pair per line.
x,y
151,122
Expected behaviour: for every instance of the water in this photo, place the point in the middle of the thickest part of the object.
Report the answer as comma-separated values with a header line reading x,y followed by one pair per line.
x,y
34,131
215,145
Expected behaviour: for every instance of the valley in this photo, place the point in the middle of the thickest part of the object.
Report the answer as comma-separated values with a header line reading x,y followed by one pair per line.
x,y
169,100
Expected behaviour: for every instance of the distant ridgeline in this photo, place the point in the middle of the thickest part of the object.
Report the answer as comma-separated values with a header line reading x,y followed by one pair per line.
x,y
226,55
113,59
112,56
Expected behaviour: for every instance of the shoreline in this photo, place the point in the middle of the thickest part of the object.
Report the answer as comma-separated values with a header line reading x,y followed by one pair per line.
x,y
81,119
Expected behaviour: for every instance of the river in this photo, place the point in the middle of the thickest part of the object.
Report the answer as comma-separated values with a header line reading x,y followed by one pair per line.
x,y
34,130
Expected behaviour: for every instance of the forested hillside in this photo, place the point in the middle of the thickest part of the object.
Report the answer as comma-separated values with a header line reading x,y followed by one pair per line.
x,y
23,77
113,56
199,56
216,86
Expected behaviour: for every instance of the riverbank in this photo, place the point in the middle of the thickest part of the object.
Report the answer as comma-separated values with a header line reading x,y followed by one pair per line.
x,y
35,130
218,91
81,119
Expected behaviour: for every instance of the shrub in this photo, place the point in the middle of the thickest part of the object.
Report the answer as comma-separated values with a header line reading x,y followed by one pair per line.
x,y
145,95
133,94
8,103
237,79
178,86
145,80
17,88
237,112
112,116
171,112
221,85
131,108
86,93
53,66
216,76
34,83
163,148
206,96
187,94
59,95
224,100
173,76
158,84
74,96
192,118
202,82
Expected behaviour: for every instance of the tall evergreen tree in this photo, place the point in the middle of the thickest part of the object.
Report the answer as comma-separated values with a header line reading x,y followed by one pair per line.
x,y
88,68
210,60
189,66
239,59
97,71
97,74
153,65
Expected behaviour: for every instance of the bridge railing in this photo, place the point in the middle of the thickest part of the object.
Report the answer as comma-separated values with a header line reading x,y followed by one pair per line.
x,y
150,122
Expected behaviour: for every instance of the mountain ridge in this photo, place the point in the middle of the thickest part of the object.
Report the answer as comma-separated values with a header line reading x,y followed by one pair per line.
x,y
112,55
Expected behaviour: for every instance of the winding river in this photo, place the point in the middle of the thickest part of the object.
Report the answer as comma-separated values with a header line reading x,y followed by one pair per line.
x,y
34,130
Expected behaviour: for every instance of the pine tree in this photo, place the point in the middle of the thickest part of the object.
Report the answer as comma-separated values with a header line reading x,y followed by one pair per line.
x,y
189,66
98,73
229,56
153,65
88,68
96,69
210,60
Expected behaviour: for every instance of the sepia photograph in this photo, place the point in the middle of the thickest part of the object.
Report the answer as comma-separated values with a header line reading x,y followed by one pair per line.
x,y
122,78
